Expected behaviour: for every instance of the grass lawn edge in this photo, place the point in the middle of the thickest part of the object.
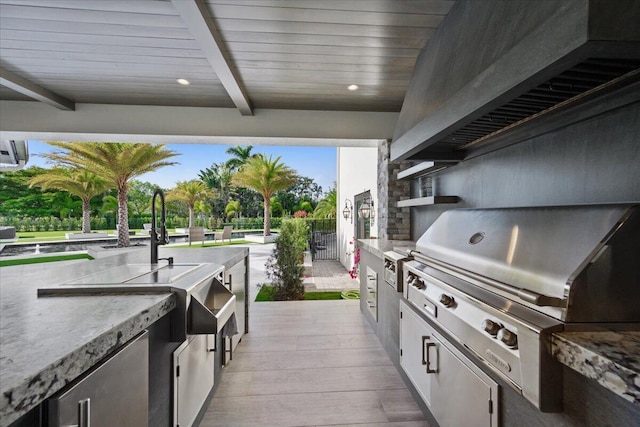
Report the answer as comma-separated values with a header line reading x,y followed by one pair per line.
x,y
39,260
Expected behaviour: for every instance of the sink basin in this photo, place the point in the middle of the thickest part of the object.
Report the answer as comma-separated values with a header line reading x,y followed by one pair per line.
x,y
203,303
135,274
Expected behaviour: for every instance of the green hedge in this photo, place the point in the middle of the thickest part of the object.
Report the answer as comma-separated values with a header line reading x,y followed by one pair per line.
x,y
135,222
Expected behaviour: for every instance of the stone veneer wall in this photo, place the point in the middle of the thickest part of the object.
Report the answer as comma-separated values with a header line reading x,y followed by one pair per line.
x,y
393,223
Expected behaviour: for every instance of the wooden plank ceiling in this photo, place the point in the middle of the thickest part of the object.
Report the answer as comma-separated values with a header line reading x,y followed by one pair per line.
x,y
292,54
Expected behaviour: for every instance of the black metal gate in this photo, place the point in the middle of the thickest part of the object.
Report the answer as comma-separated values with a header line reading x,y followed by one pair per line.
x,y
323,242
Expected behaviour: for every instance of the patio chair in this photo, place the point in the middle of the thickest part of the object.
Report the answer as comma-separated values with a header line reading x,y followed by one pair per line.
x,y
224,234
196,234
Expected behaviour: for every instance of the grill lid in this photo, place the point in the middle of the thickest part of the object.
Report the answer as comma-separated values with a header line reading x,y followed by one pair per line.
x,y
542,250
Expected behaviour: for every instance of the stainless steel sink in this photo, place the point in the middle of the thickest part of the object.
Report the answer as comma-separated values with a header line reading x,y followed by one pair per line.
x,y
203,303
134,274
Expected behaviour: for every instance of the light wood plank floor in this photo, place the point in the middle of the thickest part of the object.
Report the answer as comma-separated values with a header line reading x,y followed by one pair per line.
x,y
311,363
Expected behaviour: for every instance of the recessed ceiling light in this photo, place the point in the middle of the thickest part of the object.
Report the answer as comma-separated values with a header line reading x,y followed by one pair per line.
x,y
184,82
352,87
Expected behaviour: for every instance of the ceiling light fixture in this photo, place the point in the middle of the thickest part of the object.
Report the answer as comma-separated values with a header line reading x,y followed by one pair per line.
x,y
353,87
184,82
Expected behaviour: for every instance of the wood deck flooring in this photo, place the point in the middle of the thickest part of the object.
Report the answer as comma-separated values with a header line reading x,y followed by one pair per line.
x,y
311,363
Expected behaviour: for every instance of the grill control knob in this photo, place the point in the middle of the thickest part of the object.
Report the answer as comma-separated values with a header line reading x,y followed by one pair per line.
x,y
491,327
411,280
420,284
447,300
508,337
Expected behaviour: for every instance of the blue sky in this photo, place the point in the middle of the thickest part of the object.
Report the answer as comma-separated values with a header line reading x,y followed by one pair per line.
x,y
318,163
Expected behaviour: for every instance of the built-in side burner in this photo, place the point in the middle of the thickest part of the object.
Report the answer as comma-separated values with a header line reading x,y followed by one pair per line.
x,y
393,261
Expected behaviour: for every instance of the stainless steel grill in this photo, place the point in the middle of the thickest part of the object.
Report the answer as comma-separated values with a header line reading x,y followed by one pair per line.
x,y
500,281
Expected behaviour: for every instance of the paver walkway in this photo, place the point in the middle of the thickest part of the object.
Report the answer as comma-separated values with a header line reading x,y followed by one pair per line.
x,y
330,275
311,363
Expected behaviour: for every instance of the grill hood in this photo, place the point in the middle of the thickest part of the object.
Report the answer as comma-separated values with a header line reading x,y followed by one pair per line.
x,y
575,263
496,72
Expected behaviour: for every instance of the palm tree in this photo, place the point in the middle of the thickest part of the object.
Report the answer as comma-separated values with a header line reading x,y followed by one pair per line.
x,y
77,182
266,176
110,207
117,163
328,206
233,208
240,156
189,192
67,204
218,178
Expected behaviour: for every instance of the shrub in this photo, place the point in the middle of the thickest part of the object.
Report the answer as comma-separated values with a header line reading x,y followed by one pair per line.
x,y
284,268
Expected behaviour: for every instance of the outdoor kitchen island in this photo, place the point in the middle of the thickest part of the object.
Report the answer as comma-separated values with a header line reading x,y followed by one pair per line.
x,y
600,370
47,342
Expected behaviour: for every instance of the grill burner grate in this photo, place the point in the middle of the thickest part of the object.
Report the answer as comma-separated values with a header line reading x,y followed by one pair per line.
x,y
573,82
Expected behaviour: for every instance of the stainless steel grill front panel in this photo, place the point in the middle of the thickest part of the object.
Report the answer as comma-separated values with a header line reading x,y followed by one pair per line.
x,y
499,282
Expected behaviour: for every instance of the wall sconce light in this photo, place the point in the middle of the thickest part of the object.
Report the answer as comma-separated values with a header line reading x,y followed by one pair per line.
x,y
366,209
348,208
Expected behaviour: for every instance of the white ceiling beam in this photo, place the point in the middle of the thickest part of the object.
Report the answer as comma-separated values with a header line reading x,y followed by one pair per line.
x,y
34,91
195,15
24,120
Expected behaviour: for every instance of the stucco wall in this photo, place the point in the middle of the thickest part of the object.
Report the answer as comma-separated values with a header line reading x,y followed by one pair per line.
x,y
357,172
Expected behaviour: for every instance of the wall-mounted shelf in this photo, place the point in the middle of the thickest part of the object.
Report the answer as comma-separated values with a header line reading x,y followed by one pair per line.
x,y
424,201
424,168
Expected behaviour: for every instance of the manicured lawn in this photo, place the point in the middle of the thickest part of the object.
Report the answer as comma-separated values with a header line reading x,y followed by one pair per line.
x,y
10,262
264,295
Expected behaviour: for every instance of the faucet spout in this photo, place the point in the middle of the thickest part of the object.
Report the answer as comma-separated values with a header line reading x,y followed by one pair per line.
x,y
162,239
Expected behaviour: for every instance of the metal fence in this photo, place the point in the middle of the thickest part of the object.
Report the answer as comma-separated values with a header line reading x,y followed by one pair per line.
x,y
324,241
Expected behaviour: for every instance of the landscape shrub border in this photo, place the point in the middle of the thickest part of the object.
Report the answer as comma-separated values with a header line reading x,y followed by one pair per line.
x,y
52,223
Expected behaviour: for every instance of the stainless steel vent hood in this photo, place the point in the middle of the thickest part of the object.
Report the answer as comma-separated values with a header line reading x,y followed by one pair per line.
x,y
472,83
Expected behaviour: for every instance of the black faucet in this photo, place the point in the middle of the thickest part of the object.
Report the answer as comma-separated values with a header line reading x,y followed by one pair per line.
x,y
163,239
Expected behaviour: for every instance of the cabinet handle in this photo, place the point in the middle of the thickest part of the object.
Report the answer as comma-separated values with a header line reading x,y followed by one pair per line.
x,y
215,343
429,370
371,277
84,413
424,339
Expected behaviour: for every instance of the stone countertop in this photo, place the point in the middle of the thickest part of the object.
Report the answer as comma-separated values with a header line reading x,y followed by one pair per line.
x,y
610,358
379,246
47,342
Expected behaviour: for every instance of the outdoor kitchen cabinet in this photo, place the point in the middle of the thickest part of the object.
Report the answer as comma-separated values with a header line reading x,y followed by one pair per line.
x,y
193,377
116,392
386,300
371,271
456,392
235,278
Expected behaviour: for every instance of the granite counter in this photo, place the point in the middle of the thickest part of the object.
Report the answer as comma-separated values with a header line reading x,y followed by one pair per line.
x,y
610,358
379,246
47,342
